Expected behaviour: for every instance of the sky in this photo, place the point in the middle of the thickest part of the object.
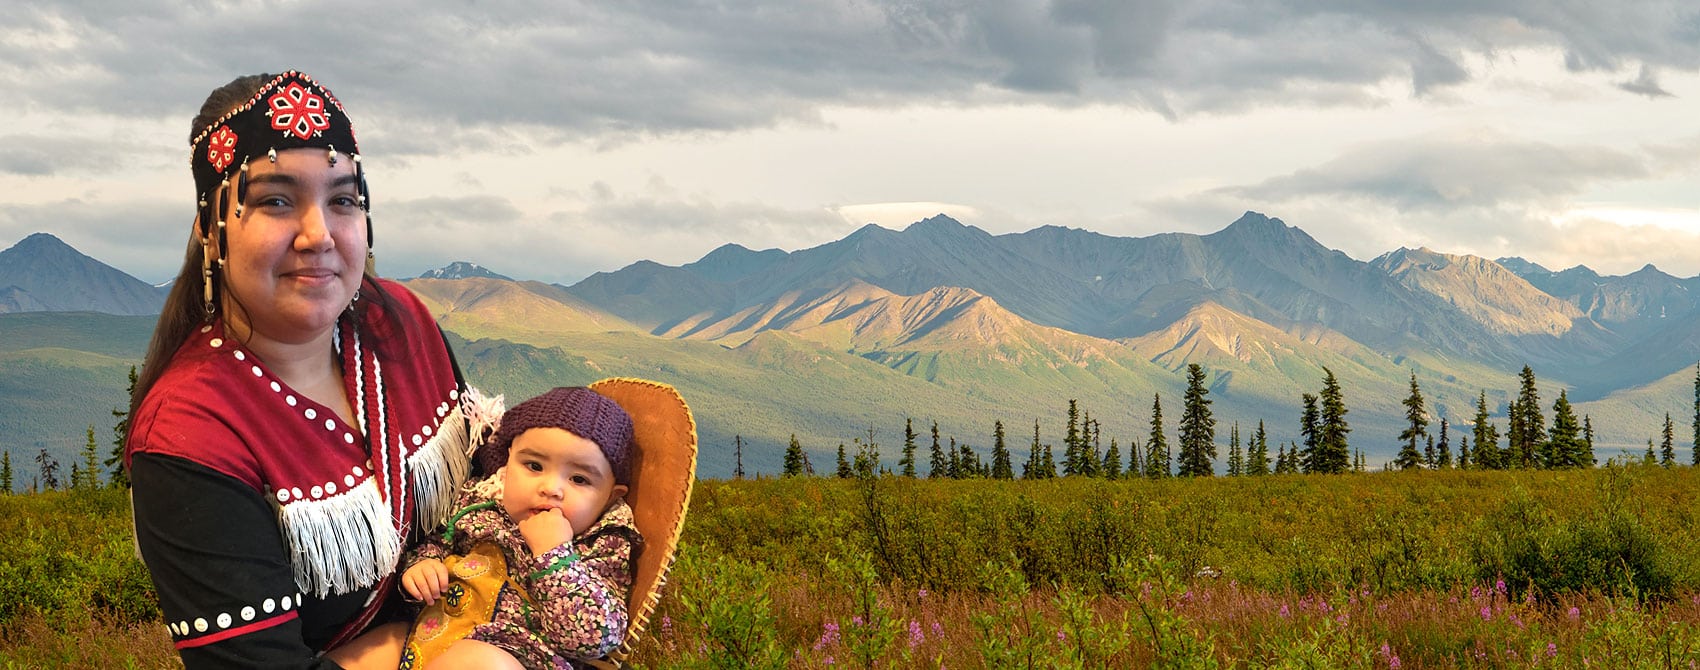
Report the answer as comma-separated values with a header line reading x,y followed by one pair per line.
x,y
554,139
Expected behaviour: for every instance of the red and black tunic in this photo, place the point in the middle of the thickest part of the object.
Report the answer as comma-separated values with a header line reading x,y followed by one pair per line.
x,y
271,528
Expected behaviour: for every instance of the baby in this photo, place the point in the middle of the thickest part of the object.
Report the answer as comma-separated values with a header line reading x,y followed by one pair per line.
x,y
534,567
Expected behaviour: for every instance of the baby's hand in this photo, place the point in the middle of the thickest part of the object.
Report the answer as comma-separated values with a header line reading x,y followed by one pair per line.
x,y
425,580
546,530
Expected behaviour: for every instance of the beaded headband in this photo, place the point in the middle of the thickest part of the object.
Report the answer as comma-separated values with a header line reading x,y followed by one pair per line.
x,y
289,112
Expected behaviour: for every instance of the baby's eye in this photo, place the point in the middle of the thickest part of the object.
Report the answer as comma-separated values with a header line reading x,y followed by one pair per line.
x,y
581,480
534,466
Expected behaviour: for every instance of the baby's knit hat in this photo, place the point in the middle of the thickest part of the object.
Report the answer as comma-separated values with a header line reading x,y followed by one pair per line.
x,y
577,410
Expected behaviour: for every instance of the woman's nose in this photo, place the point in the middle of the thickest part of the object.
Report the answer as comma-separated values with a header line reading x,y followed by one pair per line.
x,y
314,235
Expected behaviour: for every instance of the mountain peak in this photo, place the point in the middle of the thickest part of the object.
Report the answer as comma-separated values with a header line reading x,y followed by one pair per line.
x,y
730,262
936,221
44,273
1648,270
461,270
1257,220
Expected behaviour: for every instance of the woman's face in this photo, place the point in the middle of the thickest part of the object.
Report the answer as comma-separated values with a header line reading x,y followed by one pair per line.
x,y
295,257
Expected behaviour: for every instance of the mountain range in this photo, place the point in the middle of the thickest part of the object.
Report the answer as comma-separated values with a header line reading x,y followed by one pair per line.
x,y
944,322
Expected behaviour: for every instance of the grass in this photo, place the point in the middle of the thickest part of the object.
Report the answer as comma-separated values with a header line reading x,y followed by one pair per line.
x,y
1566,569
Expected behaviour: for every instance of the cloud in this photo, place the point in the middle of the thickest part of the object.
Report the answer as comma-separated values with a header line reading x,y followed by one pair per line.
x,y
1646,83
1443,173
48,155
448,74
591,230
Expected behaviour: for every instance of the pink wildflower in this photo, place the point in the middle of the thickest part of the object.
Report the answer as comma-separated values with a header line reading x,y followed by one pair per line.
x,y
1552,650
1284,611
828,636
915,636
1499,585
1575,614
938,630
1487,614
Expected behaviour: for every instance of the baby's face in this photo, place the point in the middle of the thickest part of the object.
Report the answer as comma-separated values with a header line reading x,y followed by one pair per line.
x,y
550,468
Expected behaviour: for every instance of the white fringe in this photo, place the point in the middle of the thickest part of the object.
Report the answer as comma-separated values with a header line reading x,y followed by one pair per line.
x,y
341,543
483,414
439,468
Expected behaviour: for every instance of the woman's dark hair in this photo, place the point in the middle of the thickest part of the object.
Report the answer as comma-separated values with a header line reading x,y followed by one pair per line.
x,y
184,308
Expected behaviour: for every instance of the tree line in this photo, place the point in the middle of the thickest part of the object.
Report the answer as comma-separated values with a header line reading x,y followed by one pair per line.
x,y
1323,447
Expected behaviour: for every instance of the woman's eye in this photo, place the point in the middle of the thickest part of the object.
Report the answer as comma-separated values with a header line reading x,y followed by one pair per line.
x,y
271,201
345,201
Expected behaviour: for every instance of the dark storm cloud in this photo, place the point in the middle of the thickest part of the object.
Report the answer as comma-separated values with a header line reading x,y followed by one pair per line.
x,y
1443,173
443,74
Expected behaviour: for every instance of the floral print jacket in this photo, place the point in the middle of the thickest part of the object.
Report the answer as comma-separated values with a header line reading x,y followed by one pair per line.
x,y
577,592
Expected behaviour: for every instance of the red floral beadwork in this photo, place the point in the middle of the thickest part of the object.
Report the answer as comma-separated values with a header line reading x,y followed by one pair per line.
x,y
221,148
298,111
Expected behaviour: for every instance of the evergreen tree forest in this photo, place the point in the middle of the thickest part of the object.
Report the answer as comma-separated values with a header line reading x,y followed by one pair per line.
x,y
1533,437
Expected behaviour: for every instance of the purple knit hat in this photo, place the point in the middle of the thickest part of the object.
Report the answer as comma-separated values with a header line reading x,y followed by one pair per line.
x,y
577,410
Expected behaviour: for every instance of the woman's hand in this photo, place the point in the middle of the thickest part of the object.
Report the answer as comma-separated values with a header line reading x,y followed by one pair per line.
x,y
425,580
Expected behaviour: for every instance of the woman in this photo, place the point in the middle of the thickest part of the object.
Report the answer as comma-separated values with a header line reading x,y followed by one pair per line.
x,y
296,417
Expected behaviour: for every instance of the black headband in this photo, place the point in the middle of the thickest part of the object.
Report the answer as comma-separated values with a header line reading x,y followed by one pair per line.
x,y
289,112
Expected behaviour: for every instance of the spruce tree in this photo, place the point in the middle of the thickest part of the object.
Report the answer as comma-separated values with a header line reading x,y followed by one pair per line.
x,y
1071,442
1443,450
1649,459
1428,453
1030,469
939,466
1281,459
1134,467
90,475
5,472
1236,460
1333,453
1258,464
1416,426
1001,468
1198,427
1588,458
1048,465
1463,452
794,458
1667,448
1533,423
1513,436
49,469
1564,441
1091,457
1696,443
908,462
1156,446
119,479
953,466
1487,437
844,471
738,456
1112,467
1310,421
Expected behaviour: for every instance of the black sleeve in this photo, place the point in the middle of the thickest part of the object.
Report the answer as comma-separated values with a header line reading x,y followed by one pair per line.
x,y
220,567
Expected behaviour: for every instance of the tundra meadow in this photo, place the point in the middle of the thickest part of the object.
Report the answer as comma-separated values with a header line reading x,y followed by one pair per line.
x,y
1589,568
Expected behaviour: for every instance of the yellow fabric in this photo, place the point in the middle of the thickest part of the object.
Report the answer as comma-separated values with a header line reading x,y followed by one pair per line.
x,y
475,582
